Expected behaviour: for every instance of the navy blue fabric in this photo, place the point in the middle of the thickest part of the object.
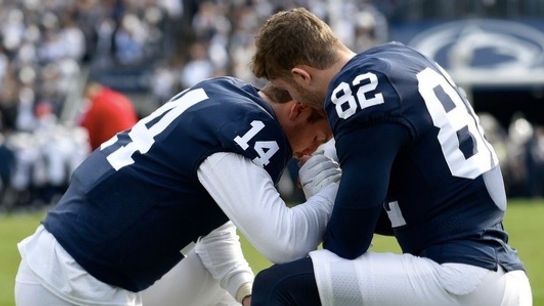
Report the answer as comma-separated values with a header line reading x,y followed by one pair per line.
x,y
286,284
127,227
447,218
351,222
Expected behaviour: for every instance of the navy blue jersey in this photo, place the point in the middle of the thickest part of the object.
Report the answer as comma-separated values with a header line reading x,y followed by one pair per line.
x,y
136,202
425,159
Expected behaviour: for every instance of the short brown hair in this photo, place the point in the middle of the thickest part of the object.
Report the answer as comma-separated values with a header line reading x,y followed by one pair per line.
x,y
291,38
275,94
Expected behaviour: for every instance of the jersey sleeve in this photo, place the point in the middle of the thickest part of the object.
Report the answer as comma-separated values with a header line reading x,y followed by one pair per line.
x,y
366,157
364,95
221,254
370,127
247,195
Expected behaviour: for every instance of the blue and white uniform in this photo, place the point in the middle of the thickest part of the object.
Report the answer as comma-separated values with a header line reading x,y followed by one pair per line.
x,y
443,191
411,149
211,154
131,236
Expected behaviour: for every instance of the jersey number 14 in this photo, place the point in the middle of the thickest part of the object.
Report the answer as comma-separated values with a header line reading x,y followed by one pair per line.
x,y
143,137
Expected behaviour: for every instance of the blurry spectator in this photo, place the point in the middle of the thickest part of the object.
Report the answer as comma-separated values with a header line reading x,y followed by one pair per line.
x,y
129,41
174,8
104,32
26,166
9,104
53,48
358,23
209,19
496,135
163,83
72,38
108,112
3,66
370,29
41,163
535,163
519,133
88,15
199,66
26,120
13,29
7,159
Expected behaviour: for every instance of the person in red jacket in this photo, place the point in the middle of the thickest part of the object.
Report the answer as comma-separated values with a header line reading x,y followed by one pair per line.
x,y
108,113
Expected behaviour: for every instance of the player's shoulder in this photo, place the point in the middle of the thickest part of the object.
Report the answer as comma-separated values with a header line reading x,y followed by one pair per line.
x,y
235,100
233,117
222,84
373,86
392,62
386,58
245,123
362,92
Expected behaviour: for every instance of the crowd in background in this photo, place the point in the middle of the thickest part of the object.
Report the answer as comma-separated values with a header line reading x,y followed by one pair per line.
x,y
47,45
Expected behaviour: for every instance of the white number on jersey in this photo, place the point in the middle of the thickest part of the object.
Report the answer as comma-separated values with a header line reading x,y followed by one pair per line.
x,y
265,149
454,118
143,137
347,110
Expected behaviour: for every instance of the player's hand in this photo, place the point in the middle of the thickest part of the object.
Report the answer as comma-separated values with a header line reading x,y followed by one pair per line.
x,y
329,150
317,172
247,300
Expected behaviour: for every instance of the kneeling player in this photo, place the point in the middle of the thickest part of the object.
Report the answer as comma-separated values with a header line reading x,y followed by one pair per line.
x,y
136,205
411,150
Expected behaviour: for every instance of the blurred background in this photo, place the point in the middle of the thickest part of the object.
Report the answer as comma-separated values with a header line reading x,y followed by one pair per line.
x,y
72,73
142,52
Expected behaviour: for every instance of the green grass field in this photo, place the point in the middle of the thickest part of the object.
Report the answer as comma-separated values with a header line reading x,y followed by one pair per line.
x,y
524,221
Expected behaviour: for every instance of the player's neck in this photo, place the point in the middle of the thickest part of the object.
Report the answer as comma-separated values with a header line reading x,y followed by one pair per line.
x,y
325,76
279,109
344,56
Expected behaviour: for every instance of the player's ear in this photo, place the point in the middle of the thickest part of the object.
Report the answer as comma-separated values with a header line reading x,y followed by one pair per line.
x,y
296,111
301,75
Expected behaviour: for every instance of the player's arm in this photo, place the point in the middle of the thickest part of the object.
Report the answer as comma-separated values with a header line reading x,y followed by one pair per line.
x,y
383,226
221,254
366,157
246,193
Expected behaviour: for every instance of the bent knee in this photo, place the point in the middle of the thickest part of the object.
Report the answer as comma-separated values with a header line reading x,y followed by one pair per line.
x,y
286,284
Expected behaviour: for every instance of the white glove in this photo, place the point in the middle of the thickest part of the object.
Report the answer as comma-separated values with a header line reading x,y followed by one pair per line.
x,y
318,172
329,150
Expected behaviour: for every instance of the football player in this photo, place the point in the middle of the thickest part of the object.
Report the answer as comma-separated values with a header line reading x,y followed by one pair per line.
x,y
415,165
137,205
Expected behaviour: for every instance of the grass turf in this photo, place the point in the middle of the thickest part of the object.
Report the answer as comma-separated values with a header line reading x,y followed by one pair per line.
x,y
524,221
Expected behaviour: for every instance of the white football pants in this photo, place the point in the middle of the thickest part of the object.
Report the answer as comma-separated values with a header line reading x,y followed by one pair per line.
x,y
187,284
387,279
